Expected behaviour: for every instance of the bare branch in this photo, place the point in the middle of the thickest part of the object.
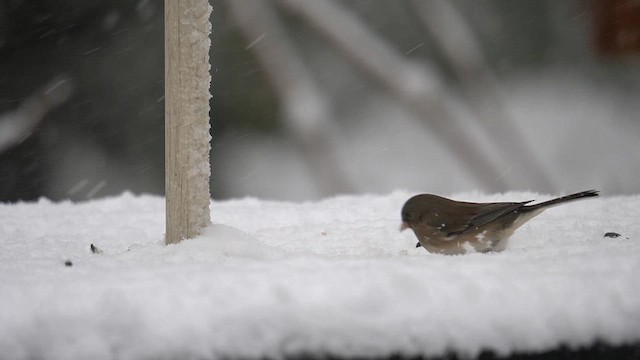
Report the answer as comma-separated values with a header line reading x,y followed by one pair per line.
x,y
414,85
462,50
306,109
18,125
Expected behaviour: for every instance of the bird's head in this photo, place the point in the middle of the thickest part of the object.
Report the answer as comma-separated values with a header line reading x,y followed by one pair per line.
x,y
411,212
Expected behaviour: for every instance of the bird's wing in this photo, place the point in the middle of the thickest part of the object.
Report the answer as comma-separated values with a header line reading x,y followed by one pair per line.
x,y
487,214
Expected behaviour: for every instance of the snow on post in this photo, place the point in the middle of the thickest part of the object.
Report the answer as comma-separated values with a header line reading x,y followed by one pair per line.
x,y
187,138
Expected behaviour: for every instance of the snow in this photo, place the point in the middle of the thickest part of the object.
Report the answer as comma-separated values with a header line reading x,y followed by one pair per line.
x,y
329,277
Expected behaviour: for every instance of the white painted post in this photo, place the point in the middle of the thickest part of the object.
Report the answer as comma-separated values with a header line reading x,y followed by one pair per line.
x,y
187,138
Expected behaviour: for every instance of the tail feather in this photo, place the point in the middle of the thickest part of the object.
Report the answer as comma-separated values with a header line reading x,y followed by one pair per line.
x,y
563,199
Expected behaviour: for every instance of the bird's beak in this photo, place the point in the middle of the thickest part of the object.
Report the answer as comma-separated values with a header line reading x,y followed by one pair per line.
x,y
404,226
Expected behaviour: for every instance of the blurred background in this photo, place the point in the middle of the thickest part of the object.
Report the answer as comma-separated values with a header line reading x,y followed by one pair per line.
x,y
322,97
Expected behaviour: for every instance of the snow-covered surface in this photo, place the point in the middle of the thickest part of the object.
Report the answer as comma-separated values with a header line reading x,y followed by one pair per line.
x,y
329,277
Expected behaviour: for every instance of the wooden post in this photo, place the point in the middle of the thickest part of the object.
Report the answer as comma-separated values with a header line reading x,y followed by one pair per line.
x,y
187,138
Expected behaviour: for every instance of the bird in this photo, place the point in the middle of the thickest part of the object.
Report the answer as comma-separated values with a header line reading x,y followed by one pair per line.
x,y
449,227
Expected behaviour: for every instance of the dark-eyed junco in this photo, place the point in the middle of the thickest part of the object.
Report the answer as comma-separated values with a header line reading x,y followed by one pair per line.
x,y
445,226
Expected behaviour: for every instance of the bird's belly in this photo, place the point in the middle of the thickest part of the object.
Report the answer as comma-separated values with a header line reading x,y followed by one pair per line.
x,y
467,243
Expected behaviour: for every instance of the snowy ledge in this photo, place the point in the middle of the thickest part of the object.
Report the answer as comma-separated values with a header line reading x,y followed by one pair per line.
x,y
330,277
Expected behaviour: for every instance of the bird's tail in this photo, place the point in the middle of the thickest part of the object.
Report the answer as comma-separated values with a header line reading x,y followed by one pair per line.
x,y
563,199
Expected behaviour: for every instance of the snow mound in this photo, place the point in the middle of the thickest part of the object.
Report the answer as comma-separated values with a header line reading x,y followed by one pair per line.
x,y
271,279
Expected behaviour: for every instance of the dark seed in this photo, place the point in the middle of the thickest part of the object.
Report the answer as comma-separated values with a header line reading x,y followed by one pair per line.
x,y
611,235
418,245
95,249
68,263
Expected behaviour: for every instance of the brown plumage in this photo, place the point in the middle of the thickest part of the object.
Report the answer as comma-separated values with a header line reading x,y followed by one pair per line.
x,y
451,227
